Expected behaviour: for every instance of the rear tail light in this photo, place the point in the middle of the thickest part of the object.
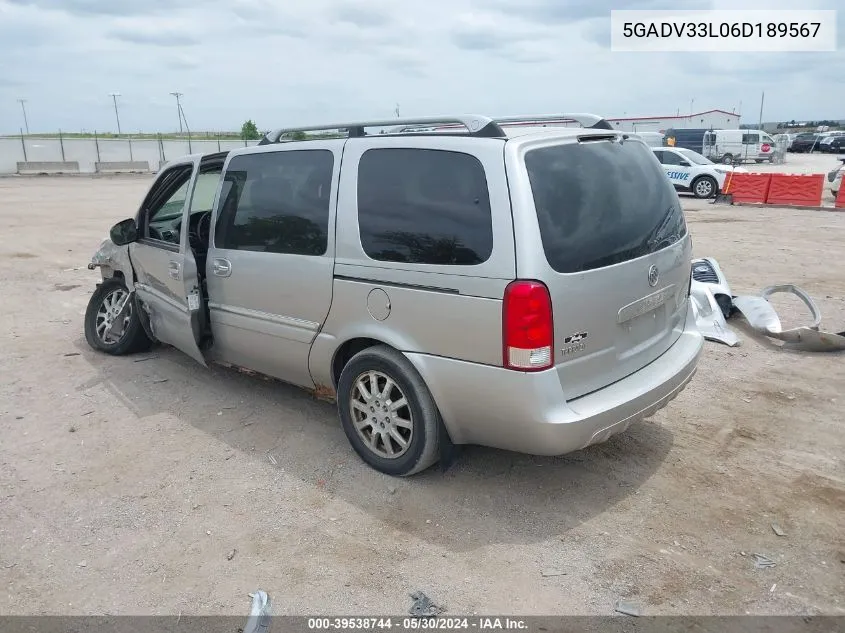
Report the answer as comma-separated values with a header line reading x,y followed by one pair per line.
x,y
527,326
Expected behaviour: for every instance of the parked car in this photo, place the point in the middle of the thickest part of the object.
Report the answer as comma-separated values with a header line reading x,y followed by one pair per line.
x,y
834,177
732,146
832,142
523,293
691,172
806,142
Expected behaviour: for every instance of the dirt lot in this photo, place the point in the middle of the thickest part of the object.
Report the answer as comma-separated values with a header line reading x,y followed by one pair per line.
x,y
125,485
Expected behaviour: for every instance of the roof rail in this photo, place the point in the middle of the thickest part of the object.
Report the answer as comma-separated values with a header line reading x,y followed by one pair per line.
x,y
586,119
476,125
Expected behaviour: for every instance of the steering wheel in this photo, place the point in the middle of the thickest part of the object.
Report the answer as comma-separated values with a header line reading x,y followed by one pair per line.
x,y
204,228
154,233
198,237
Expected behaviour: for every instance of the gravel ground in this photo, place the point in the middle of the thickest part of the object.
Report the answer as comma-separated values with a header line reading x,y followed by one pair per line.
x,y
127,483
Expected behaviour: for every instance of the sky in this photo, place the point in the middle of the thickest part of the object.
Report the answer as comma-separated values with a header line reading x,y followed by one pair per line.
x,y
323,61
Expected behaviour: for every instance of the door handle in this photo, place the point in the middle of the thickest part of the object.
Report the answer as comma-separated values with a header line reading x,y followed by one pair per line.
x,y
221,267
174,269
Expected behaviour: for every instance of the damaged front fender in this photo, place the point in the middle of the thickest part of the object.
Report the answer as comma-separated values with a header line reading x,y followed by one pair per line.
x,y
111,259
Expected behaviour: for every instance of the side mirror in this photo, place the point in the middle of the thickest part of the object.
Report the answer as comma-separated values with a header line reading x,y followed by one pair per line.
x,y
684,163
124,232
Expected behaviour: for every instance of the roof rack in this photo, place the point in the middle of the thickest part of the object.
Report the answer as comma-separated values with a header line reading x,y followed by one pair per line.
x,y
474,124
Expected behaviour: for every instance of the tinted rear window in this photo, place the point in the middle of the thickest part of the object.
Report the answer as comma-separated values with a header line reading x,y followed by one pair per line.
x,y
602,202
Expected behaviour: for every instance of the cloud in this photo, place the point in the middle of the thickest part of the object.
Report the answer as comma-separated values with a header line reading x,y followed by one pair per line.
x,y
103,7
362,16
154,39
326,60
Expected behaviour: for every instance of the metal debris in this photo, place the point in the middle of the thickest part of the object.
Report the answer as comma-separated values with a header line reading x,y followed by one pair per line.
x,y
551,573
628,608
260,613
272,459
778,530
762,562
72,354
231,554
423,606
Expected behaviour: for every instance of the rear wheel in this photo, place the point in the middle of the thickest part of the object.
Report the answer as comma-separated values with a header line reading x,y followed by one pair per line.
x,y
704,187
101,320
387,412
727,159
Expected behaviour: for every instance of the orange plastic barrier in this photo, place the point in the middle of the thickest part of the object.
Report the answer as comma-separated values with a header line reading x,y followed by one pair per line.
x,y
747,187
840,198
801,190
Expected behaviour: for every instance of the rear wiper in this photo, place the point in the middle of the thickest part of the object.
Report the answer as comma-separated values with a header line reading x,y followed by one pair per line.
x,y
653,235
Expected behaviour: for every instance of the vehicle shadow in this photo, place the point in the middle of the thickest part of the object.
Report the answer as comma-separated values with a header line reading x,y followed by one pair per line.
x,y
486,497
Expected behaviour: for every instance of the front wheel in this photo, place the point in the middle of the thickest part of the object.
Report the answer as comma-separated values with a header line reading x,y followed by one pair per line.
x,y
704,187
727,159
105,330
387,412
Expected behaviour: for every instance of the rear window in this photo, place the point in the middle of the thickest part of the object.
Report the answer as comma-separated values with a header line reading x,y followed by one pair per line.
x,y
601,202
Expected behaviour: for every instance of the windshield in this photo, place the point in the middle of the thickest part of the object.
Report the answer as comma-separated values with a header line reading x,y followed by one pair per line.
x,y
601,203
695,157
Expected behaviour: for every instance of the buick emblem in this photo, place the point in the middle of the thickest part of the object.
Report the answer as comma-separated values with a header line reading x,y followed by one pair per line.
x,y
653,276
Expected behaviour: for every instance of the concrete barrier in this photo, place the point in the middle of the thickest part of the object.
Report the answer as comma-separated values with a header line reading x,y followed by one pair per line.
x,y
119,166
48,167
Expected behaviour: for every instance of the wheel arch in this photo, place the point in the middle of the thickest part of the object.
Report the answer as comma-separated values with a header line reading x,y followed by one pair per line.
x,y
342,353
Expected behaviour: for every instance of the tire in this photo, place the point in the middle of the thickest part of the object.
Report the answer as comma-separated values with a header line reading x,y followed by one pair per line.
x,y
758,160
727,159
419,419
133,339
704,187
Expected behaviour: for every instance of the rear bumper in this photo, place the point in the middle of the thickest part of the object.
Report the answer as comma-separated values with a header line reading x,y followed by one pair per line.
x,y
527,413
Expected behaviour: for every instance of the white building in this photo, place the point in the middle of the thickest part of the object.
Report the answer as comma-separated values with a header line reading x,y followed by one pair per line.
x,y
717,119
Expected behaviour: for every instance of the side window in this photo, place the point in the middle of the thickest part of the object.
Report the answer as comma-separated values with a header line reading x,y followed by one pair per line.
x,y
162,214
422,206
204,190
750,139
276,202
671,158
660,156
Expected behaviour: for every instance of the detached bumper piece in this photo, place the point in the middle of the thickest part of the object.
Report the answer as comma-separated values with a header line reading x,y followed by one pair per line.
x,y
713,303
809,338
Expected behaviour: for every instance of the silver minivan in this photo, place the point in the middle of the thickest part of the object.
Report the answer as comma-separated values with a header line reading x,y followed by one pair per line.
x,y
444,286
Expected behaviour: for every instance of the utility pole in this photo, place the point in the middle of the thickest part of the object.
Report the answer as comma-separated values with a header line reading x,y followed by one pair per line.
x,y
397,110
114,96
178,108
760,121
23,108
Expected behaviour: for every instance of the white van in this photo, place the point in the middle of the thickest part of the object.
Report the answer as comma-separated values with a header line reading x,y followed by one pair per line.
x,y
652,139
729,146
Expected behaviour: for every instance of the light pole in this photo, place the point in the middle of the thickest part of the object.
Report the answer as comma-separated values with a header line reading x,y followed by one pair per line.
x,y
114,96
178,108
23,108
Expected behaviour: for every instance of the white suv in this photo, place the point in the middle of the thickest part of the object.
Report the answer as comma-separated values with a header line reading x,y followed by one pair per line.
x,y
691,172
